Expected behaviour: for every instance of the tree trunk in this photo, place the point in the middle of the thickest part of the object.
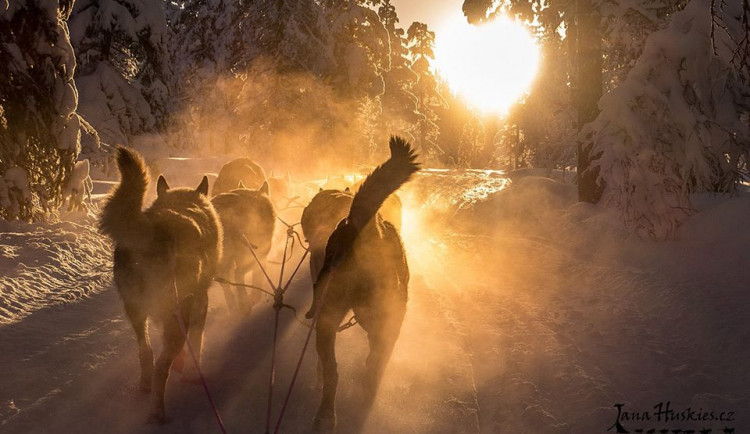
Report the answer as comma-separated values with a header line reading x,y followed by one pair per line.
x,y
588,91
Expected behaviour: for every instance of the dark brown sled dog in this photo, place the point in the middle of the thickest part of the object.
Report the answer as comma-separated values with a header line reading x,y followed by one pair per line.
x,y
319,219
165,258
249,213
364,270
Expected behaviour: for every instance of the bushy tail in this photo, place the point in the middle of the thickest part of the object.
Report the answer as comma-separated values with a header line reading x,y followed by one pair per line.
x,y
122,217
383,181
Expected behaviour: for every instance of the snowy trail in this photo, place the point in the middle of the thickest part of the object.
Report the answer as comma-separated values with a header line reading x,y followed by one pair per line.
x,y
556,342
508,330
73,369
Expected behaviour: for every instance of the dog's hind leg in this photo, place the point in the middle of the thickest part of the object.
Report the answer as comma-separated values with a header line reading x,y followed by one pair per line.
x,y
138,319
174,340
195,334
382,339
325,343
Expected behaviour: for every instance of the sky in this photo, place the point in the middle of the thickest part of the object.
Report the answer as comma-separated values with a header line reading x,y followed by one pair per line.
x,y
431,12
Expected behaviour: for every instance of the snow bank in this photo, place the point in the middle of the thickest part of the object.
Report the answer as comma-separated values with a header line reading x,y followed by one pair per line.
x,y
528,198
46,265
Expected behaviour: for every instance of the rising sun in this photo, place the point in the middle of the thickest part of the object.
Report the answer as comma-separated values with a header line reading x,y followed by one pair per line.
x,y
491,65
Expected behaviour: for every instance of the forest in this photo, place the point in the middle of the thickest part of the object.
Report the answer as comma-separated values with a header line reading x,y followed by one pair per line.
x,y
647,100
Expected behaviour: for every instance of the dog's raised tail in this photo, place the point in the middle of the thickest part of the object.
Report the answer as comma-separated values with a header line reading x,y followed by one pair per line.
x,y
122,217
383,181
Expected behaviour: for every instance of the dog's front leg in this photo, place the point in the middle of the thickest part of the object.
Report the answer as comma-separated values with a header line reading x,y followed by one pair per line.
x,y
325,342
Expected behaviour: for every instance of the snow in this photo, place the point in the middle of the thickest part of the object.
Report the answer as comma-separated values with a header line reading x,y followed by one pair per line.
x,y
528,312
674,125
49,265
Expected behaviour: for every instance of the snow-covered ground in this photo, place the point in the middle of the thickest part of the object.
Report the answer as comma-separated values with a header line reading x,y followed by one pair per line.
x,y
528,313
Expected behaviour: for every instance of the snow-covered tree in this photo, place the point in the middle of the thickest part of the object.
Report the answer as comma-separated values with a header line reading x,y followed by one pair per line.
x,y
627,24
124,68
426,89
292,33
203,30
39,127
472,151
204,56
361,52
546,116
675,124
400,111
582,22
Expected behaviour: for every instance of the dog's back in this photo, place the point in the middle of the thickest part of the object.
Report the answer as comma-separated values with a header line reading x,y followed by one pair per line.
x,y
391,208
179,229
319,220
188,225
373,192
245,212
242,169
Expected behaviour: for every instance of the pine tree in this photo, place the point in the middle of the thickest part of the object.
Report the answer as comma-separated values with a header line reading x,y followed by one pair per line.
x,y
39,126
546,116
360,48
291,34
583,25
124,68
205,54
400,105
426,89
677,123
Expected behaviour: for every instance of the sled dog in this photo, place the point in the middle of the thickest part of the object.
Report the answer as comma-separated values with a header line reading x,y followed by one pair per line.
x,y
164,260
241,169
319,219
391,208
250,213
364,270
326,210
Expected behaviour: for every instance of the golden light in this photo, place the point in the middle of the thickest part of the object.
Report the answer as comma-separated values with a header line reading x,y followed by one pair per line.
x,y
491,65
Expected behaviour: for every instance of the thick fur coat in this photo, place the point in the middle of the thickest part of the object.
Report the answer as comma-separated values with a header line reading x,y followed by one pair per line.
x,y
319,219
364,270
164,261
250,213
242,170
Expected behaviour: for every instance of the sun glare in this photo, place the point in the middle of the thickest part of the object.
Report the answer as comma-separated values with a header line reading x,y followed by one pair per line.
x,y
491,65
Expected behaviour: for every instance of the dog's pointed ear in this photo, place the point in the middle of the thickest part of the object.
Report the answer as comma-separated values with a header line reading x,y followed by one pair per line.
x,y
161,186
347,190
241,184
203,186
265,189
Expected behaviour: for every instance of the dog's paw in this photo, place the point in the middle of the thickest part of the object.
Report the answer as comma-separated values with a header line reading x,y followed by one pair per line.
x,y
324,422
